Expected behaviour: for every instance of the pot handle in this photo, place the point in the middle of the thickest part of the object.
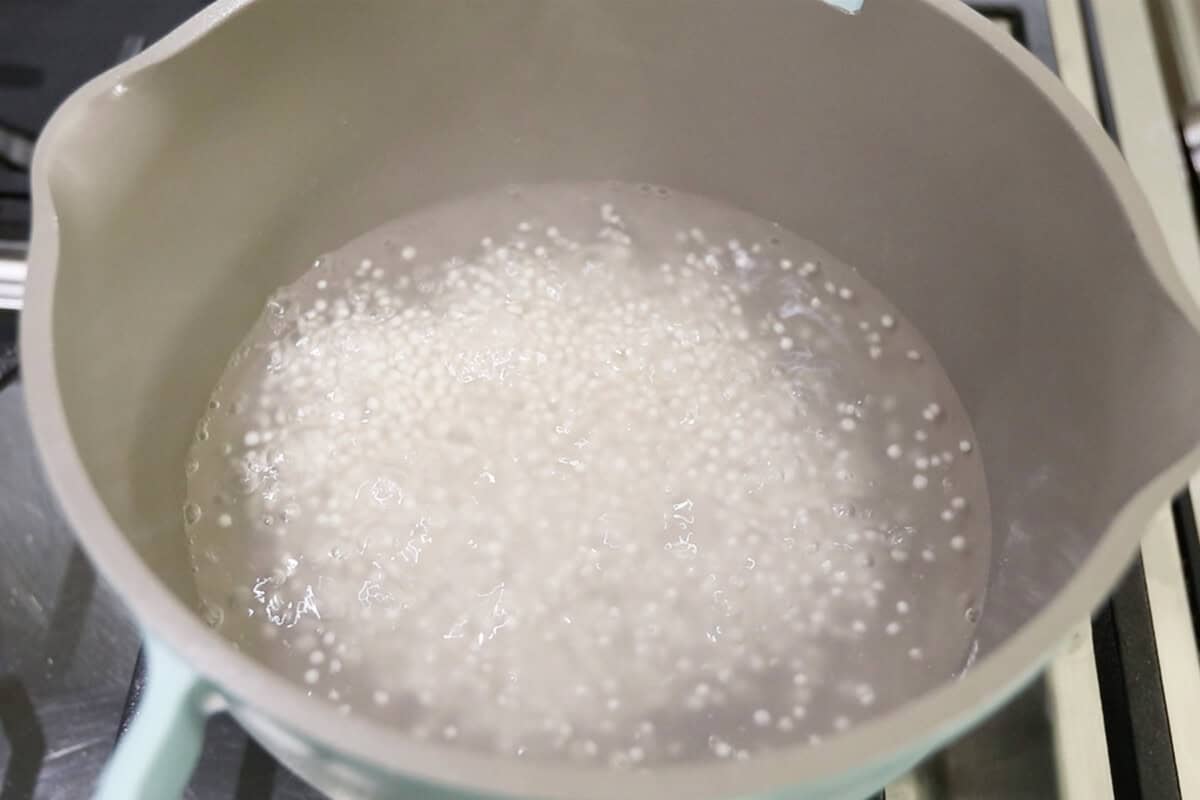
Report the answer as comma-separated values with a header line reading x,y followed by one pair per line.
x,y
155,757
849,6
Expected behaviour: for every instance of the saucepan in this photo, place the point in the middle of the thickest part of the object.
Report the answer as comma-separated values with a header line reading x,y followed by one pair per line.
x,y
911,139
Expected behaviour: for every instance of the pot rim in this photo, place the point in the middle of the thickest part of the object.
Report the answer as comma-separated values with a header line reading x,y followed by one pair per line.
x,y
254,689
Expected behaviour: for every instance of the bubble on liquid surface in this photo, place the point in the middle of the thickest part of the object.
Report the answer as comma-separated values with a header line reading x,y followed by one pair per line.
x,y
585,472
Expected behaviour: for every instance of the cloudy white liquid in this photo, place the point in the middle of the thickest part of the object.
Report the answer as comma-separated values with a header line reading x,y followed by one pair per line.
x,y
594,472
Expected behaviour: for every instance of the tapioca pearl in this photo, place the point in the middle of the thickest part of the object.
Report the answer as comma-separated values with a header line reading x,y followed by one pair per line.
x,y
720,747
192,513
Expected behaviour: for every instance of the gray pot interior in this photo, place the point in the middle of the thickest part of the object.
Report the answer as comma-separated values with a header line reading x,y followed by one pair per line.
x,y
893,139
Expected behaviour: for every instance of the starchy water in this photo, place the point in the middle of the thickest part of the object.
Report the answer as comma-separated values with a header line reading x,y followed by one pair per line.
x,y
591,472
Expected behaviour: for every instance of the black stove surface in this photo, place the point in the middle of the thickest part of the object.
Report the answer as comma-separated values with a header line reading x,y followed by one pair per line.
x,y
48,49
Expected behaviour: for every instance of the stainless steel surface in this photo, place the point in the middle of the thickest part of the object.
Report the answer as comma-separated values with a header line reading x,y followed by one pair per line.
x,y
1142,114
66,643
15,148
12,280
1190,123
1182,19
1181,52
1010,756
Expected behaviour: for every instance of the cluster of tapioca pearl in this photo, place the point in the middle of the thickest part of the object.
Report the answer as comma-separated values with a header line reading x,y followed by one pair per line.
x,y
290,365
848,423
928,462
717,694
684,543
873,334
744,269
922,457
508,278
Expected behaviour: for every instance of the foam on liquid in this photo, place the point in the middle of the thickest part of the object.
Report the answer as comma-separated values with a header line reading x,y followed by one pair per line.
x,y
594,472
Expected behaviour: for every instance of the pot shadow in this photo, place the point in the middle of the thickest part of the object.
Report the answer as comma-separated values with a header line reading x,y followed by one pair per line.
x,y
19,721
75,593
133,697
27,741
257,773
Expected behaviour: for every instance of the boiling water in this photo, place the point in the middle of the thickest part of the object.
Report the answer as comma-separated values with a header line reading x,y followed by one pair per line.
x,y
594,472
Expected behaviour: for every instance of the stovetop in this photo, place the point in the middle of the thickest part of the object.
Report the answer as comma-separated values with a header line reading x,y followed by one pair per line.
x,y
1110,719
